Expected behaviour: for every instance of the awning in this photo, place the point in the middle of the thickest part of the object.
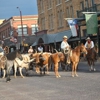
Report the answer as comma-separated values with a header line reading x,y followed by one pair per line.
x,y
59,36
44,38
51,38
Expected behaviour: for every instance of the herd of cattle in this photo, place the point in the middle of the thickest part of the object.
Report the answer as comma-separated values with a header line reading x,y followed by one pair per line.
x,y
42,62
15,61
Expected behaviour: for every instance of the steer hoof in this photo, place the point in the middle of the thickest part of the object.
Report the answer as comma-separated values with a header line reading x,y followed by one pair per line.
x,y
22,76
76,75
72,75
58,76
94,69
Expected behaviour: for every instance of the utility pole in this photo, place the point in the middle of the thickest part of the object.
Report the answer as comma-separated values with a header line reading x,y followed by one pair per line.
x,y
21,24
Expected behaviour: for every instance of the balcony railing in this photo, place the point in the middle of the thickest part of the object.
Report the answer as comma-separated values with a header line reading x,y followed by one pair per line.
x,y
95,8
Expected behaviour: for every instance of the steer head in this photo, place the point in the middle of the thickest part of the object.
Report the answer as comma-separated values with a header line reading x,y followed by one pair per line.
x,y
41,58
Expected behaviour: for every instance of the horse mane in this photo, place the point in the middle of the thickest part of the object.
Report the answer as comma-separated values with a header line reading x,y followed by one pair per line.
x,y
76,49
12,55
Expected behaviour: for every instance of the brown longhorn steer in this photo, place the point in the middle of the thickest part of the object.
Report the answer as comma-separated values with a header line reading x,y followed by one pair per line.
x,y
42,61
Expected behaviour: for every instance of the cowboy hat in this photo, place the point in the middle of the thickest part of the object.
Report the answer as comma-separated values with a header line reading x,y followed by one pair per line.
x,y
88,38
65,37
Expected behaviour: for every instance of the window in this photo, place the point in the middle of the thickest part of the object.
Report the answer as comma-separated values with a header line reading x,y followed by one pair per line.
x,y
58,2
24,30
60,18
43,23
84,32
82,5
34,29
71,12
49,4
51,25
66,0
41,5
68,14
86,3
92,2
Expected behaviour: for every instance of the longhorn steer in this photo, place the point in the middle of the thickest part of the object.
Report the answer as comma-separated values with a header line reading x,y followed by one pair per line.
x,y
42,61
22,64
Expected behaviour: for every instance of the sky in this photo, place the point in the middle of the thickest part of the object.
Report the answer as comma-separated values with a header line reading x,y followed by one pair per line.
x,y
8,8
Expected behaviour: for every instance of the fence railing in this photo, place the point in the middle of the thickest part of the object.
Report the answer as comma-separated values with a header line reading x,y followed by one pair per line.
x,y
94,8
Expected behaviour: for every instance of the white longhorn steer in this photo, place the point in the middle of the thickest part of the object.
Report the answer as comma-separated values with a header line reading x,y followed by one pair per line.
x,y
22,64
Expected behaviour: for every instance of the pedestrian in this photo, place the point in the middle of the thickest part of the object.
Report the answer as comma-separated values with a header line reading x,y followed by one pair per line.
x,y
30,50
40,49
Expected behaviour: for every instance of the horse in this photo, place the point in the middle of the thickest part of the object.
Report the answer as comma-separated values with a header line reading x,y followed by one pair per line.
x,y
91,57
74,58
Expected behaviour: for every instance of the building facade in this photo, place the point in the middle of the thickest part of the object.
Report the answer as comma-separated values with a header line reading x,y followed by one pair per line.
x,y
52,14
13,28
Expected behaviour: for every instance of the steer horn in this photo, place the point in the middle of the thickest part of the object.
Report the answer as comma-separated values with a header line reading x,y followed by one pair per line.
x,y
35,51
56,50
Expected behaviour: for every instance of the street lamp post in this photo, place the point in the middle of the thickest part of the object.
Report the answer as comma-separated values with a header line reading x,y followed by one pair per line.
x,y
21,23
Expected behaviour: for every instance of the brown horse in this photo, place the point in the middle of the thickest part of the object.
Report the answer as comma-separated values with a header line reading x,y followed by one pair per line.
x,y
74,57
91,57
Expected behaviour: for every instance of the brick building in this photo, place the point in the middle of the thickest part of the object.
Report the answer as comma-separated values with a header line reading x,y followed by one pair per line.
x,y
51,14
12,27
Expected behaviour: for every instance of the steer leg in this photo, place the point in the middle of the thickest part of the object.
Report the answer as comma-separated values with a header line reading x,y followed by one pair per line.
x,y
20,70
4,73
56,70
47,69
15,68
44,70
1,72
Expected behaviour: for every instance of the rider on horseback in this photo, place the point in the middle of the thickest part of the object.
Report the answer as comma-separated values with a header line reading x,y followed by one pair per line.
x,y
90,45
65,48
